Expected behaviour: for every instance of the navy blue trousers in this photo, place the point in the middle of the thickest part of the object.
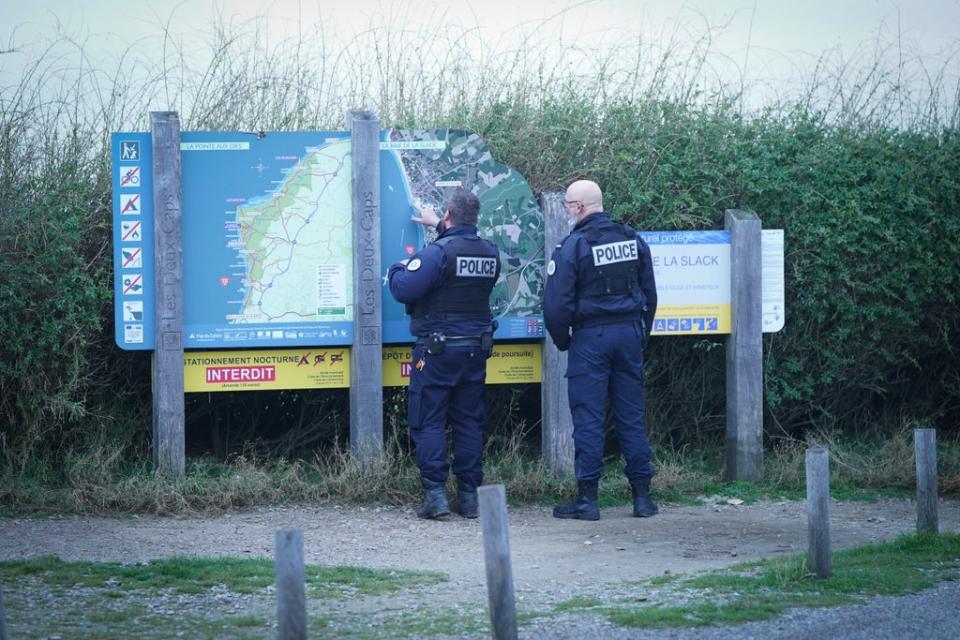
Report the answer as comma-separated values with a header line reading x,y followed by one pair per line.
x,y
608,359
448,387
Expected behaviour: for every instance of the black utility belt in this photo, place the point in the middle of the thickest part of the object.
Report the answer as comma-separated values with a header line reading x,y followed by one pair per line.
x,y
604,320
437,341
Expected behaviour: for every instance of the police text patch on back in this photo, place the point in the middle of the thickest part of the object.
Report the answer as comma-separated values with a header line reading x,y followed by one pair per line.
x,y
624,251
476,267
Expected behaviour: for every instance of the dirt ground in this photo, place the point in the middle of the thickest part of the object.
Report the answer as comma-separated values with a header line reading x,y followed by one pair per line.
x,y
552,559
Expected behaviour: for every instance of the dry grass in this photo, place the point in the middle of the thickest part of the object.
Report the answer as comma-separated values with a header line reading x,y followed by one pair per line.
x,y
100,481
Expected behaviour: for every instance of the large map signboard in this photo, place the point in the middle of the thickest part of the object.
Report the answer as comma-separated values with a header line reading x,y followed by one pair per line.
x,y
267,234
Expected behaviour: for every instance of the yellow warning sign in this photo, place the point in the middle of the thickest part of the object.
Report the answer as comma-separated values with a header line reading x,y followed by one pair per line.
x,y
329,368
509,364
308,368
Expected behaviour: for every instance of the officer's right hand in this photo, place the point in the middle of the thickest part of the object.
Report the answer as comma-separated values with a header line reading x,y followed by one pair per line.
x,y
428,217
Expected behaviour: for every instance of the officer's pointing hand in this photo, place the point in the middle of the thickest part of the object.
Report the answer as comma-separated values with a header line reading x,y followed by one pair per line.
x,y
428,217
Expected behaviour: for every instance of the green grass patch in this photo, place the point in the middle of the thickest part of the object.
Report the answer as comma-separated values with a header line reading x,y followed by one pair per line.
x,y
750,492
760,590
578,602
198,575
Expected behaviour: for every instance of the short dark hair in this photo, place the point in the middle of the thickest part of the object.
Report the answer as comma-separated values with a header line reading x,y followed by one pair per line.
x,y
464,207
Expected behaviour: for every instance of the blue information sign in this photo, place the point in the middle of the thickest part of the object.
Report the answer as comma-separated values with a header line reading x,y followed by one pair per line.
x,y
268,238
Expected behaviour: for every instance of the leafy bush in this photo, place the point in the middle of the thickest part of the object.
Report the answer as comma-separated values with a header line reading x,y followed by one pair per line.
x,y
869,201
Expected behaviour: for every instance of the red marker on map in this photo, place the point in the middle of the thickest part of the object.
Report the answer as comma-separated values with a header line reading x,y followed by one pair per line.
x,y
410,250
224,280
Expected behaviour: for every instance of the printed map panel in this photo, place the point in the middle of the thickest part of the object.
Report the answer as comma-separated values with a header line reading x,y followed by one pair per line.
x,y
268,238
421,167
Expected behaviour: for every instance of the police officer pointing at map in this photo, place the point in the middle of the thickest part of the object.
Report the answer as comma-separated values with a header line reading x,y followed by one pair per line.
x,y
599,303
446,288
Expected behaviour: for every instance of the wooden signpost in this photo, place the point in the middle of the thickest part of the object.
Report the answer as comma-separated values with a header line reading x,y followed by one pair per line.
x,y
744,349
168,403
744,345
557,424
366,357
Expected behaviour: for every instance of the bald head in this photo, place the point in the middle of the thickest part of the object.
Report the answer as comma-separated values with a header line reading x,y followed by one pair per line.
x,y
583,198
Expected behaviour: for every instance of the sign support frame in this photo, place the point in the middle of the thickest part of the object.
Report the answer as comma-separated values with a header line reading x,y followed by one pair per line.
x,y
366,358
556,428
169,452
744,353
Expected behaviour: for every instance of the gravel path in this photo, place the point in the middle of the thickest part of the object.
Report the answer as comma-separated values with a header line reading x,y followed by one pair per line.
x,y
930,614
552,560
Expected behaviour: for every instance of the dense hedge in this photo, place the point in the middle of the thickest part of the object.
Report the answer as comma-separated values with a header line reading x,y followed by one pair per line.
x,y
872,224
871,215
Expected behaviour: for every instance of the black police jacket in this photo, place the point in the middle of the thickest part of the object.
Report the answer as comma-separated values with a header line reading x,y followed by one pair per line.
x,y
602,272
447,285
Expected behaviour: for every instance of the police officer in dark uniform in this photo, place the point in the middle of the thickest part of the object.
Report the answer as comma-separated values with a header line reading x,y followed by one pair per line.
x,y
446,288
599,303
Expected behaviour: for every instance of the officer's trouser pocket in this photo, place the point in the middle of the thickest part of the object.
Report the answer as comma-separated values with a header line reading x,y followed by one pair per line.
x,y
413,409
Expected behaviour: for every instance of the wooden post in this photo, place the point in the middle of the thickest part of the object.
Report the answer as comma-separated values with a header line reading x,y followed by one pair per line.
x,y
496,553
366,356
744,349
925,450
557,424
818,510
3,618
291,598
168,404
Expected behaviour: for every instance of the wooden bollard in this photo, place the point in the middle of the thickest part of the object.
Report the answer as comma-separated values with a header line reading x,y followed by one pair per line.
x,y
291,598
3,618
496,553
818,510
925,450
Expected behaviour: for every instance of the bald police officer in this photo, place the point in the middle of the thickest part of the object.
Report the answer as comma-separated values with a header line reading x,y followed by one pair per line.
x,y
599,303
446,288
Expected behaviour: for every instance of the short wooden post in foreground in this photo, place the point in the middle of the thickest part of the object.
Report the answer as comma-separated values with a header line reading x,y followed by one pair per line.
x,y
496,553
745,348
925,450
557,426
818,510
291,598
3,618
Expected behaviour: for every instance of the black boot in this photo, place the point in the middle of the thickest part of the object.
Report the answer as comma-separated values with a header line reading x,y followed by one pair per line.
x,y
584,507
434,503
467,499
643,506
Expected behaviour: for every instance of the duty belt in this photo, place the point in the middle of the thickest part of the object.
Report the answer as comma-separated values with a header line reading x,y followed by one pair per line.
x,y
459,341
619,318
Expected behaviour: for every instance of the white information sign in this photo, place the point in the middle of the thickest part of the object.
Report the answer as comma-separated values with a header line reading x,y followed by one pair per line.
x,y
692,269
771,249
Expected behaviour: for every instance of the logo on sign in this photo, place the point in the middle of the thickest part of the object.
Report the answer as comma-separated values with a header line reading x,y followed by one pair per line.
x,y
132,284
130,204
132,310
130,231
132,258
476,267
129,150
614,252
129,177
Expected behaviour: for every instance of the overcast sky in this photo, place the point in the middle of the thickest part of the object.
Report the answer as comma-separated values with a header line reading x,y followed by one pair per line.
x,y
768,38
786,25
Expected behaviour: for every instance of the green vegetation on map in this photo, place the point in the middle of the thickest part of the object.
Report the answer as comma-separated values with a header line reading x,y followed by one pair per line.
x,y
509,214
